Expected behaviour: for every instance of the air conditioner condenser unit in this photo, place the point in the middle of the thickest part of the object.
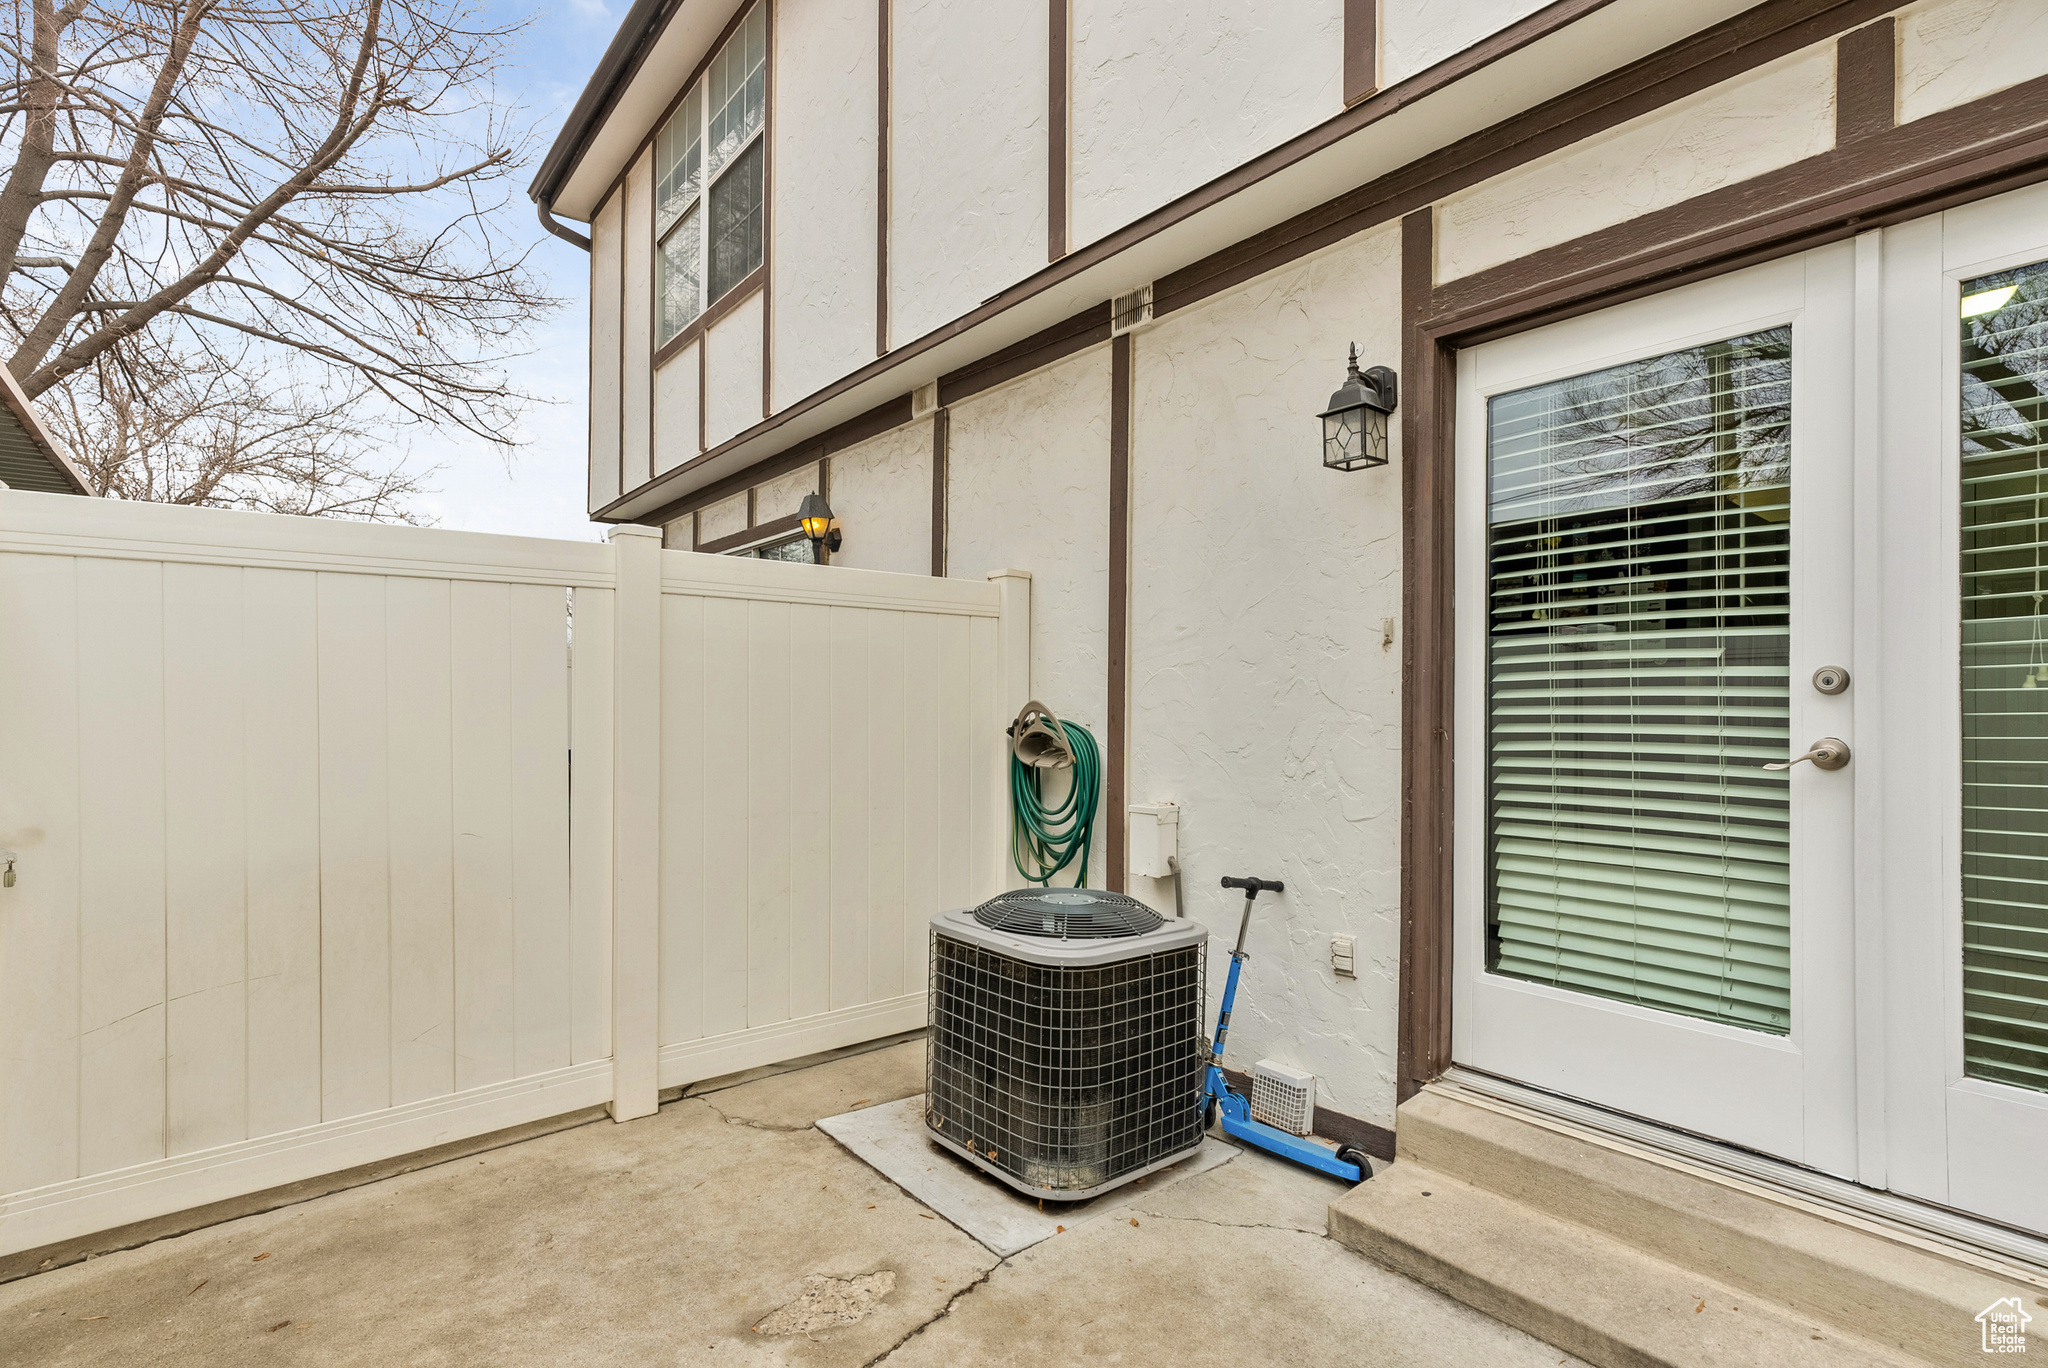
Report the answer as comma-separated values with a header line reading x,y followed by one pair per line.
x,y
1065,1054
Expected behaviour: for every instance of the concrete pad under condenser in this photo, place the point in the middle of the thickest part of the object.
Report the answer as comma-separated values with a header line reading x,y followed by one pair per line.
x,y
892,1139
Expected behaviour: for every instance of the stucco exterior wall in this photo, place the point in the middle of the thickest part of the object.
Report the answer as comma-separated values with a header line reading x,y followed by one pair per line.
x,y
1955,51
1417,34
1167,98
783,495
1757,122
882,496
1263,701
605,247
823,252
968,163
676,402
1027,468
732,377
636,340
726,518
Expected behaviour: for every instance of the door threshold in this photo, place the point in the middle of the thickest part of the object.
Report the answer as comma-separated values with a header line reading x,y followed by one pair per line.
x,y
1955,1232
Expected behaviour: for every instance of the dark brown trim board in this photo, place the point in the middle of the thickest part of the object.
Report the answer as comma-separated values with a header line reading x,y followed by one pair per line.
x,y
1058,59
1866,81
772,530
1428,377
1086,329
1361,49
1117,742
859,428
940,433
882,135
767,218
1377,1141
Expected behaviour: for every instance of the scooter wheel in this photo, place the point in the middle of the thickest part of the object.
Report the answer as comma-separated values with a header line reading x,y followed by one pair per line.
x,y
1350,1155
1214,1110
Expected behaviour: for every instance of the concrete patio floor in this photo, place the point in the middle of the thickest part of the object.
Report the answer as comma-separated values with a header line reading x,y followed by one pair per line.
x,y
668,1240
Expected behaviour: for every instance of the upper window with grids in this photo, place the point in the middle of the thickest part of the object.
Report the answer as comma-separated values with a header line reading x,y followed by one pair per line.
x,y
709,177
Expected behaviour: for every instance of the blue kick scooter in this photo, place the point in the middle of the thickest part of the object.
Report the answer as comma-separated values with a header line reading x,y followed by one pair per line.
x,y
1347,1162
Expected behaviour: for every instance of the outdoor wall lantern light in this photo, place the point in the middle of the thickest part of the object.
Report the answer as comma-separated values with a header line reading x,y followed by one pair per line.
x,y
1355,427
816,516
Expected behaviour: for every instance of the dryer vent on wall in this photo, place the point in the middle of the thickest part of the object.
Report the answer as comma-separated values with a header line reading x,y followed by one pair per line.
x,y
1065,1051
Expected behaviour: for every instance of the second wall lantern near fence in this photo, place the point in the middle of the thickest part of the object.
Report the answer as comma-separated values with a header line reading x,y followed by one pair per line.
x,y
816,516
1355,426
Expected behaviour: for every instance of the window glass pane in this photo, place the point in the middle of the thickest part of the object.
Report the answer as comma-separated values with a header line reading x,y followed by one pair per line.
x,y
795,549
739,89
678,291
1639,530
2005,677
736,222
678,158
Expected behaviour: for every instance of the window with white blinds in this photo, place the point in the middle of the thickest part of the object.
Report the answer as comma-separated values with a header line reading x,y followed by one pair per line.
x,y
2005,677
1639,533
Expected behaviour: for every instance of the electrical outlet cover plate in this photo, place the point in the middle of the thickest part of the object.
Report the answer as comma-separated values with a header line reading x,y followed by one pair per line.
x,y
1343,956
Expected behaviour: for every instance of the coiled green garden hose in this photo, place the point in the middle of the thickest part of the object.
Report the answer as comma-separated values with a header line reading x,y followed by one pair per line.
x,y
1051,838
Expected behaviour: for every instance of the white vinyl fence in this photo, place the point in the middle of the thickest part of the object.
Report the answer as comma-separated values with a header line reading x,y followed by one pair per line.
x,y
335,842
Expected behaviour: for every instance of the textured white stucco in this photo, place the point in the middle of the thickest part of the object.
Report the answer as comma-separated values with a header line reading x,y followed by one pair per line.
x,y
1771,117
824,221
1262,699
636,338
605,251
732,372
1955,51
722,519
967,197
1027,468
676,397
1417,34
783,495
882,496
1167,97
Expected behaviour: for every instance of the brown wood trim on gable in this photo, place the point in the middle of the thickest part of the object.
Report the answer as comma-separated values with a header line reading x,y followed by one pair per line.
x,y
1058,65
1983,148
1866,81
877,420
883,133
1086,329
1116,743
941,434
756,280
1361,50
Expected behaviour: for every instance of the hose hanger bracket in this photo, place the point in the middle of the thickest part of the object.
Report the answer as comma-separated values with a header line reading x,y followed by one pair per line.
x,y
1039,739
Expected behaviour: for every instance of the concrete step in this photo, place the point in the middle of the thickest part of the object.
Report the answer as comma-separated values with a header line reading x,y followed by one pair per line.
x,y
1625,1256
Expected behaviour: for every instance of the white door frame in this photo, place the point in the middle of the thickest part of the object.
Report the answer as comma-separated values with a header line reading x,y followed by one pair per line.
x,y
1793,1096
1967,1143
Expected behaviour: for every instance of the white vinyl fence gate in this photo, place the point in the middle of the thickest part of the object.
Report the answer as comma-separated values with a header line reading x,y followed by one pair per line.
x,y
334,842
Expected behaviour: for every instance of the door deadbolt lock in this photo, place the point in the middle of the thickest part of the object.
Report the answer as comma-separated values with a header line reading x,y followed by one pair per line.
x,y
1830,679
1828,753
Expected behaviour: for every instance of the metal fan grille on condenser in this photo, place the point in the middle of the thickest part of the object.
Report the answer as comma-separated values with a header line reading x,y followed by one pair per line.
x,y
1067,914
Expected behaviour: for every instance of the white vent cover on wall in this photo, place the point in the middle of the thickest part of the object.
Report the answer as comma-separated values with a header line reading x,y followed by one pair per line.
x,y
1284,1098
1130,311
924,400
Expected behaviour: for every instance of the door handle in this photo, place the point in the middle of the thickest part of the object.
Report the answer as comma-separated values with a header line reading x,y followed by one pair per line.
x,y
1828,753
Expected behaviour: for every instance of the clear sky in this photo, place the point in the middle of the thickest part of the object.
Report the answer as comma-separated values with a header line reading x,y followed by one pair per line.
x,y
540,492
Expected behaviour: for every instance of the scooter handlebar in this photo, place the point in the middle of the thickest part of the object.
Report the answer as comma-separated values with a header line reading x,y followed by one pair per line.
x,y
1254,887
